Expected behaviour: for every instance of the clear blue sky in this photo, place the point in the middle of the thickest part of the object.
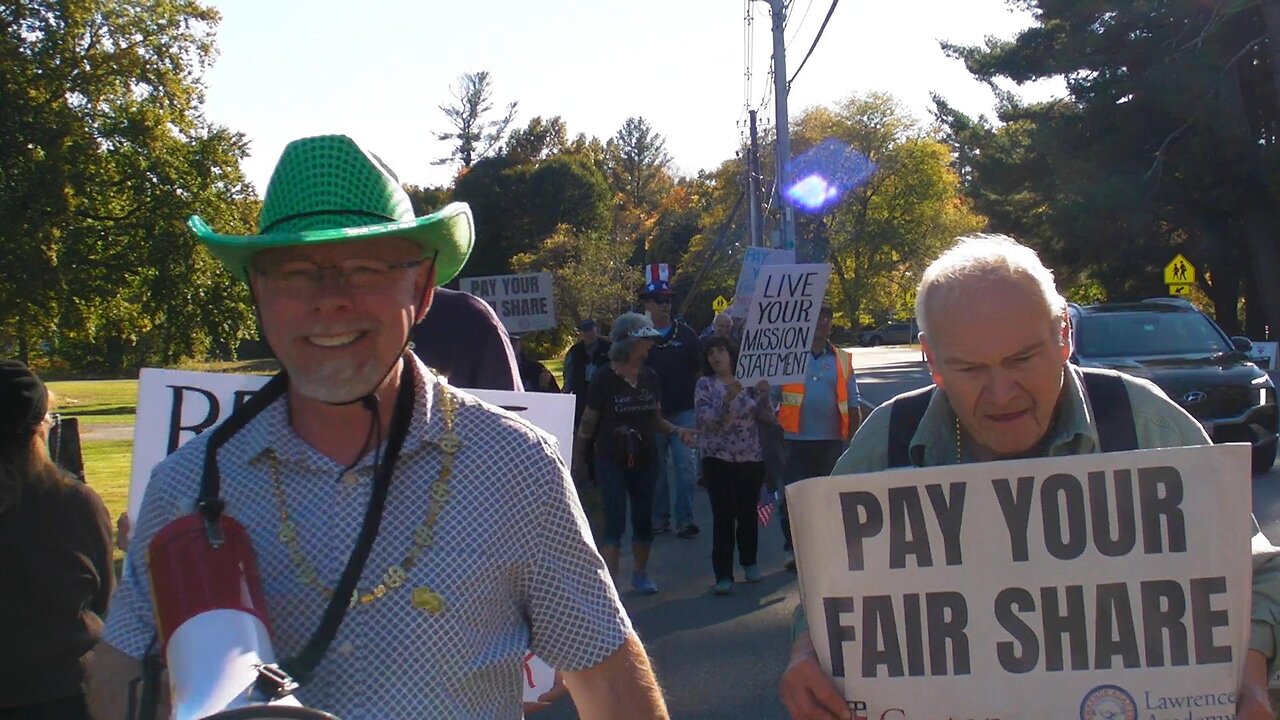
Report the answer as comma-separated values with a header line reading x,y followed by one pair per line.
x,y
380,69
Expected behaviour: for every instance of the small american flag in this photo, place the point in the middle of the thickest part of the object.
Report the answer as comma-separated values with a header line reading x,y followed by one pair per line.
x,y
764,508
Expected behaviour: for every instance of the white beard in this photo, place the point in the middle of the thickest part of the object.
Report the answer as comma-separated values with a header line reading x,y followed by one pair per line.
x,y
339,381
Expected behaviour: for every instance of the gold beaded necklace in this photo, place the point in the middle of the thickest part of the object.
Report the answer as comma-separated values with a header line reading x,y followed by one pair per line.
x,y
423,536
957,439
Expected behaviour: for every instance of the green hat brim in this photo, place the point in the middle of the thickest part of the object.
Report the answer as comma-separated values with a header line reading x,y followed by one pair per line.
x,y
449,233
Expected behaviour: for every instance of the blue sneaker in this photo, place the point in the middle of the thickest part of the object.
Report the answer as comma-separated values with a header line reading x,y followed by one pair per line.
x,y
723,587
752,572
641,583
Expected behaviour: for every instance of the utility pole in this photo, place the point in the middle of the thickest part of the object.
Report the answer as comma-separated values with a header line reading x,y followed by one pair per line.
x,y
778,13
753,187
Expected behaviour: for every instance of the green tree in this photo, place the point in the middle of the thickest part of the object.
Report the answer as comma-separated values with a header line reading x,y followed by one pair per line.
x,y
426,200
637,164
883,233
518,205
104,151
1165,142
476,133
591,276
538,140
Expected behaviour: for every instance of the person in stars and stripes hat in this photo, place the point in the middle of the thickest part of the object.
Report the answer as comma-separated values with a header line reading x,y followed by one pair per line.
x,y
397,578
677,358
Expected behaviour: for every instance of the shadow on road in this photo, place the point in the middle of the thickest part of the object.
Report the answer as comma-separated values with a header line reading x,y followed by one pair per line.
x,y
660,619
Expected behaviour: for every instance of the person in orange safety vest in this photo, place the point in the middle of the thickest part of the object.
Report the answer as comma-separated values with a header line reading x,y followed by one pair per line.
x,y
818,416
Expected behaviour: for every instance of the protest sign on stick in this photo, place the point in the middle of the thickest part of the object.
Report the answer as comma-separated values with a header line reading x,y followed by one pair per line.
x,y
780,323
753,260
1111,585
523,302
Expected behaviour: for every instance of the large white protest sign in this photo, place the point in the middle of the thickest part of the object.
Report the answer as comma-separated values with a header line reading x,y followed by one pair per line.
x,y
175,406
777,336
523,302
1093,586
753,260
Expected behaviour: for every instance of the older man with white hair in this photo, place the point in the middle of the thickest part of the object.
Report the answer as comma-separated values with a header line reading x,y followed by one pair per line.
x,y
997,337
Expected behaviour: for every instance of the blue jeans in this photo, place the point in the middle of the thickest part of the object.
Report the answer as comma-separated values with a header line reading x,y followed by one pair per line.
x,y
675,467
617,485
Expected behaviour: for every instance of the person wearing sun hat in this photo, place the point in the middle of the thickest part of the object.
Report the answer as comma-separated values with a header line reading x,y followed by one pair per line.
x,y
621,422
464,575
55,562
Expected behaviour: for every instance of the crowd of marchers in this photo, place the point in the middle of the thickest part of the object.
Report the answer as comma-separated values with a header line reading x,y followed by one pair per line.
x,y
411,545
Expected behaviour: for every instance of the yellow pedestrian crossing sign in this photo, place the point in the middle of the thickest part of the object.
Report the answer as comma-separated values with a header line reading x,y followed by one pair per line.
x,y
719,304
1179,289
1179,272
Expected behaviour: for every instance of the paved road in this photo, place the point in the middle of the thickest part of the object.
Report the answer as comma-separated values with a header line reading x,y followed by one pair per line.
x,y
719,658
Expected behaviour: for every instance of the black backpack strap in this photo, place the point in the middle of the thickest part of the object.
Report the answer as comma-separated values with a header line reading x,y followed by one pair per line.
x,y
1112,412
905,413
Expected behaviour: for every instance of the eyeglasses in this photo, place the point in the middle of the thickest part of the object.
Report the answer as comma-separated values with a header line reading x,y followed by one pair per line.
x,y
660,300
357,274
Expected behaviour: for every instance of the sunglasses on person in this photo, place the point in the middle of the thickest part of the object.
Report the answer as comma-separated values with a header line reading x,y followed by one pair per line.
x,y
659,299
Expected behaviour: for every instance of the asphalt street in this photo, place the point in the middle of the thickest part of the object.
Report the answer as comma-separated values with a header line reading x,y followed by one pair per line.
x,y
719,657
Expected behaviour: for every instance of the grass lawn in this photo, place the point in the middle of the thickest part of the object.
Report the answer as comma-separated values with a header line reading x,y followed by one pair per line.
x,y
106,467
556,366
96,402
113,402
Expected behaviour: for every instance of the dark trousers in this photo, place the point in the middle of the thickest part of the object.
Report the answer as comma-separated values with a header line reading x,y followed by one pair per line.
x,y
72,708
617,485
734,488
806,459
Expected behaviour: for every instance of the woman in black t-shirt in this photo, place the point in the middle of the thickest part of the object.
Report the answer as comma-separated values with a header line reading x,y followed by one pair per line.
x,y
622,417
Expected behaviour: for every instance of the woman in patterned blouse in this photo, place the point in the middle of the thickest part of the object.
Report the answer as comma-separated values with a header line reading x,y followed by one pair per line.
x,y
727,417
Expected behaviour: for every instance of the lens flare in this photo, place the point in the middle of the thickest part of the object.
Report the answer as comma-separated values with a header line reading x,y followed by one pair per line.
x,y
825,173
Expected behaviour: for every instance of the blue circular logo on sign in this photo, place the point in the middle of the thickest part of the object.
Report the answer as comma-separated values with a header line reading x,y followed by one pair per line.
x,y
1108,702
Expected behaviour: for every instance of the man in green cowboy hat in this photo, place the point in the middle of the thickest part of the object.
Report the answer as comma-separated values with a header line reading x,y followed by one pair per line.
x,y
465,574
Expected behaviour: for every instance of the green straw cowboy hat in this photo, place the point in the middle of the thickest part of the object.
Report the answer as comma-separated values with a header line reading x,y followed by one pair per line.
x,y
328,189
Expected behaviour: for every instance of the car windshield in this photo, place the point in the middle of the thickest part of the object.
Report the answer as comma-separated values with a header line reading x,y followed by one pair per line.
x,y
1145,334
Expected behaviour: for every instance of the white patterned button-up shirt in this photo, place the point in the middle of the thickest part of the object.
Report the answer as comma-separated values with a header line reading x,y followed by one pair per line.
x,y
512,559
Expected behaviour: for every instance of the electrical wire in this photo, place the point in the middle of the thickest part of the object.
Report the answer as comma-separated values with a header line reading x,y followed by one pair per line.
x,y
825,20
800,25
748,51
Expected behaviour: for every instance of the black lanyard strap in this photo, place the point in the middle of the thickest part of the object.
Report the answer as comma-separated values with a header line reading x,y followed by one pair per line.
x,y
304,663
274,682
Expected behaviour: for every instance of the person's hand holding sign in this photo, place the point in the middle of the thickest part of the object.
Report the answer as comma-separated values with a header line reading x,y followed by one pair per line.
x,y
731,391
1253,702
806,690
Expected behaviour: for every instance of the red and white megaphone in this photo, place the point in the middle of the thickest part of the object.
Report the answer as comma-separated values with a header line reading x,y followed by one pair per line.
x,y
213,622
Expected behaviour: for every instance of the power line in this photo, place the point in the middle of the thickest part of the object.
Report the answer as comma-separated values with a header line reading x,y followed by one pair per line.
x,y
825,20
800,25
748,50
